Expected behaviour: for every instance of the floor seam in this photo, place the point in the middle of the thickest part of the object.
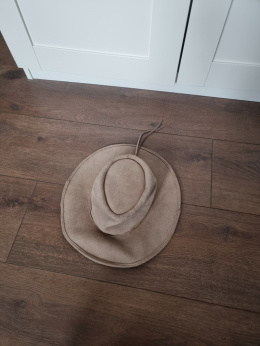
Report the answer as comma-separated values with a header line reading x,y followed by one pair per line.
x,y
183,203
21,222
128,128
30,179
131,287
227,210
211,173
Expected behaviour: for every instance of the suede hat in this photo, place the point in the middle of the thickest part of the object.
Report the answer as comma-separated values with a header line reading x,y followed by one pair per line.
x,y
121,205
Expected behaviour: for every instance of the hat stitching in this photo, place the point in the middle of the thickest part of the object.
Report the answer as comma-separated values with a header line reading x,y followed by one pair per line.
x,y
118,264
105,262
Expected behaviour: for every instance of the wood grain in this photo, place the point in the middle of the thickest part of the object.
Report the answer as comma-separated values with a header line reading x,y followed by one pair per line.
x,y
236,177
49,150
50,308
14,198
212,257
186,115
6,58
202,289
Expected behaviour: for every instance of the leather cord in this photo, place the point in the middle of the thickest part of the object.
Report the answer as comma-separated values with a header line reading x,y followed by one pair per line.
x,y
140,142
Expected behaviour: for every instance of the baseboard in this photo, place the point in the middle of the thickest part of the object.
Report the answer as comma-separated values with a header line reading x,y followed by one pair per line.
x,y
236,94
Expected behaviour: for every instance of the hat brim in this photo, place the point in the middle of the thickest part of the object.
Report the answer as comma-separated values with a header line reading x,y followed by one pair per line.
x,y
142,243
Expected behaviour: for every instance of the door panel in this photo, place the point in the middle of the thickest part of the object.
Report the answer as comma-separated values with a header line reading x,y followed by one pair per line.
x,y
234,76
92,64
240,41
135,40
222,47
105,26
206,23
236,64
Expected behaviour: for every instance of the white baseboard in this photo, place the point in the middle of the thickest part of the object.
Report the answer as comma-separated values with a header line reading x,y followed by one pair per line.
x,y
236,94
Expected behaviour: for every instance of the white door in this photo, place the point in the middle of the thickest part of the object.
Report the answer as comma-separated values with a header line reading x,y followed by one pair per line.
x,y
222,46
237,60
132,40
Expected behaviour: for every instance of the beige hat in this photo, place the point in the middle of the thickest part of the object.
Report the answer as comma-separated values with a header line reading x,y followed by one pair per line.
x,y
121,205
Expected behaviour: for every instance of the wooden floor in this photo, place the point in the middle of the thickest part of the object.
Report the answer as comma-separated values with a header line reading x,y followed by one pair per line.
x,y
202,289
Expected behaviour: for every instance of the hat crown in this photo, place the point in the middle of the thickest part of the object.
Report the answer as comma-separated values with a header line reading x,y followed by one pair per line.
x,y
109,191
124,185
123,192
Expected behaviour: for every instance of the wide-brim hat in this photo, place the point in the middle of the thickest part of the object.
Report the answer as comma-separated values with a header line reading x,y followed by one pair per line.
x,y
121,205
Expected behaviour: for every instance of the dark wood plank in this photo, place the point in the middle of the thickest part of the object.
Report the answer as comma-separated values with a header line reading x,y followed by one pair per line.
x,y
236,177
212,257
187,115
56,309
6,58
14,198
49,150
